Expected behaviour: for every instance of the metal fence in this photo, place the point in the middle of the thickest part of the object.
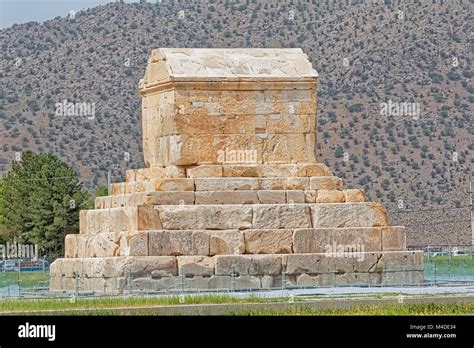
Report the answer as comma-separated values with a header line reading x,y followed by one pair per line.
x,y
444,265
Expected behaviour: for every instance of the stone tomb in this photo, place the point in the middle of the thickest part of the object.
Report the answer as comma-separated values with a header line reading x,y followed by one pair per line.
x,y
232,196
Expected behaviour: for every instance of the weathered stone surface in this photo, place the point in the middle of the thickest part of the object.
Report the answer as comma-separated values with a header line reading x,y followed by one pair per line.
x,y
348,215
226,184
204,171
322,240
172,185
226,197
268,241
308,263
178,243
195,265
198,217
273,216
232,264
330,196
393,238
402,278
272,183
297,183
133,244
271,196
325,183
246,264
169,198
295,196
226,242
154,173
354,195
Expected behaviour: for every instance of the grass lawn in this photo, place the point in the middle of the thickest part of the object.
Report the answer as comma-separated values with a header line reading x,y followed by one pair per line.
x,y
442,267
106,306
27,279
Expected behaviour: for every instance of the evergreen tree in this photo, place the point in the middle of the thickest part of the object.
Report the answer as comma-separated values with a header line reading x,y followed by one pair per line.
x,y
40,199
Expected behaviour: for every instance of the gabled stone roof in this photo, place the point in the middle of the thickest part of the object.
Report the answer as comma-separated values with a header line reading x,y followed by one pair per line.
x,y
231,64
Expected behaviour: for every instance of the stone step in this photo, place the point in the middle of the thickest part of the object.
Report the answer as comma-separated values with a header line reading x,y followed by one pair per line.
x,y
119,285
232,216
228,242
228,184
229,170
230,197
258,271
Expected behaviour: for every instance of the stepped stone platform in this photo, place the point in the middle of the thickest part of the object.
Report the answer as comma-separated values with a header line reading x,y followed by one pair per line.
x,y
232,196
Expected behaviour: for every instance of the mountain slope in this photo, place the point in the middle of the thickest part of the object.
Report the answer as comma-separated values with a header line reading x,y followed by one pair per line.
x,y
419,52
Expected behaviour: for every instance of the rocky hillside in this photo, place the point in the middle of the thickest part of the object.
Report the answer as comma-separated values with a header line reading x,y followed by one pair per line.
x,y
395,95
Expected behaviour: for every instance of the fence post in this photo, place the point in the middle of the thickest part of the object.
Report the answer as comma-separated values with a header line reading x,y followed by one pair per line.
x,y
76,285
129,282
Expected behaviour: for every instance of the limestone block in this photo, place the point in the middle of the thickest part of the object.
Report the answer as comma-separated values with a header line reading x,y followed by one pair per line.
x,y
137,186
315,169
316,280
273,216
288,148
226,197
56,268
226,242
133,244
402,278
160,284
199,217
169,198
232,264
179,184
246,282
103,202
155,173
348,215
327,240
240,170
402,261
226,184
195,265
290,123
393,238
297,183
71,245
279,170
103,245
272,183
267,282
205,171
271,196
268,241
330,196
252,265
309,263
310,196
263,265
295,196
325,183
156,266
178,243
71,268
119,188
354,195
